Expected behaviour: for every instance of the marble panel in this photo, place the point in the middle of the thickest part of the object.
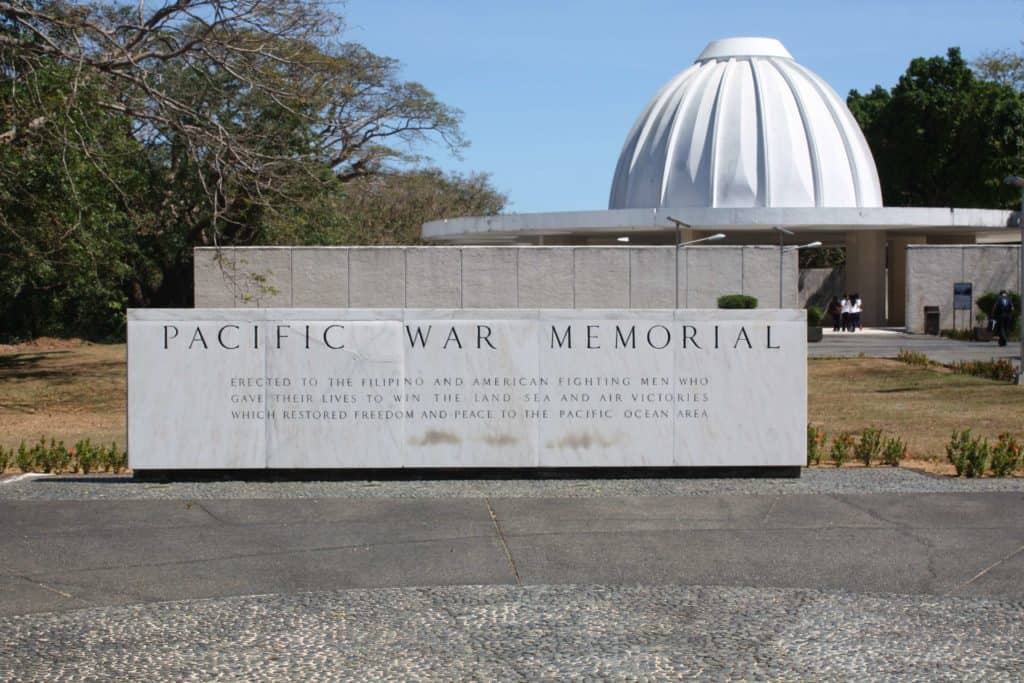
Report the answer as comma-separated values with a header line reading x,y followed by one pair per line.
x,y
188,406
433,277
343,406
747,397
263,277
652,277
605,403
601,277
389,388
214,277
470,393
489,278
376,277
545,277
320,276
711,272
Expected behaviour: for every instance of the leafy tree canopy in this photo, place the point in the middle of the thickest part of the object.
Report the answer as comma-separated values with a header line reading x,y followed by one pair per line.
x,y
130,133
944,135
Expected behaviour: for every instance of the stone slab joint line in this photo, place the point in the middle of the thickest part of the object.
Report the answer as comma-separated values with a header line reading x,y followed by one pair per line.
x,y
504,543
34,582
985,571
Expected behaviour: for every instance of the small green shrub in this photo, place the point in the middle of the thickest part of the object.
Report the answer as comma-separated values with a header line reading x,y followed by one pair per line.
x,y
957,448
840,451
959,335
869,448
737,301
1006,456
1000,370
814,316
816,438
6,458
977,458
55,457
915,358
894,451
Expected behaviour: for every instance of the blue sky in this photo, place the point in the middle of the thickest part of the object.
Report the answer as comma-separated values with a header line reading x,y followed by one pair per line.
x,y
549,90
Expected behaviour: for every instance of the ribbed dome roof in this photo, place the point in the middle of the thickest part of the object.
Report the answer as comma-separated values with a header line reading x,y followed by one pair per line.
x,y
745,126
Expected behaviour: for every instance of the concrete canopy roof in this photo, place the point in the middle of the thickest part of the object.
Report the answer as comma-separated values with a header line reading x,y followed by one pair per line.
x,y
626,222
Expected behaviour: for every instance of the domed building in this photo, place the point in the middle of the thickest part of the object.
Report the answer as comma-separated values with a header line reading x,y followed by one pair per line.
x,y
743,142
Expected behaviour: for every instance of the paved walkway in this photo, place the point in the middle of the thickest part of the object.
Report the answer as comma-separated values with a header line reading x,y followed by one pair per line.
x,y
887,342
840,575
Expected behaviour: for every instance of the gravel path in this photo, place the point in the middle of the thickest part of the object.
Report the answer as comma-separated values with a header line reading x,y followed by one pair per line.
x,y
526,633
812,481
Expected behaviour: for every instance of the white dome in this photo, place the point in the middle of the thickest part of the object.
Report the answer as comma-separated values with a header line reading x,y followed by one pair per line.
x,y
745,126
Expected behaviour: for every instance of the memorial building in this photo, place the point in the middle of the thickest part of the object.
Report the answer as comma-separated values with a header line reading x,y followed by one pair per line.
x,y
747,140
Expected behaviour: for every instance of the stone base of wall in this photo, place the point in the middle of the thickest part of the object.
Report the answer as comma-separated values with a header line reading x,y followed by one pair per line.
x,y
491,277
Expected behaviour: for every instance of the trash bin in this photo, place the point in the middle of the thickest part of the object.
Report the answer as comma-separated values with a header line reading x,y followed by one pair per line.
x,y
931,320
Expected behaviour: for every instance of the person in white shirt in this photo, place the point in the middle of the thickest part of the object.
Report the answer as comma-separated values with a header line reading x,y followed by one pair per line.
x,y
844,312
856,306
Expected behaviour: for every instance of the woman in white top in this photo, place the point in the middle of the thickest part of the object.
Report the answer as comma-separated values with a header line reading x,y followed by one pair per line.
x,y
844,312
856,306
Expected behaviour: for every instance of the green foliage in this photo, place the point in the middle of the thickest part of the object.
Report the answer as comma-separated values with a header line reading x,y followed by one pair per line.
x,y
121,151
869,447
737,301
943,136
969,456
957,450
915,358
816,439
840,451
1000,369
959,335
1006,455
52,456
977,458
814,316
894,451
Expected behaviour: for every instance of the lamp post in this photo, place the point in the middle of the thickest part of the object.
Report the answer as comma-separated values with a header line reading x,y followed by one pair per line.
x,y
782,236
679,235
1018,182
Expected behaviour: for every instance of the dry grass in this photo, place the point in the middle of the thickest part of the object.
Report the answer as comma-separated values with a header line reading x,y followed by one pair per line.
x,y
64,389
921,405
72,390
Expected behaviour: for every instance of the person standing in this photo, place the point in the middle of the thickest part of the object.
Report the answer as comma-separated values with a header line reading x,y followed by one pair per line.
x,y
844,312
856,306
836,311
1002,312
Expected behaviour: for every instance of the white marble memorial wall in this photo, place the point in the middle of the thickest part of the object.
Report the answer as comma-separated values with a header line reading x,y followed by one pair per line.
x,y
391,388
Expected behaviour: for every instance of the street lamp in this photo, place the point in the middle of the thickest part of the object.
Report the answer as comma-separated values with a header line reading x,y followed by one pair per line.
x,y
1018,182
782,236
679,243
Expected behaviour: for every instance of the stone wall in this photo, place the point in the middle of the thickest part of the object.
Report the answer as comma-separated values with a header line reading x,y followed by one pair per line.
x,y
490,277
819,285
932,270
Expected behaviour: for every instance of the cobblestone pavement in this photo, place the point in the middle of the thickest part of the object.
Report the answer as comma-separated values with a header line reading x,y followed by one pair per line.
x,y
811,481
526,633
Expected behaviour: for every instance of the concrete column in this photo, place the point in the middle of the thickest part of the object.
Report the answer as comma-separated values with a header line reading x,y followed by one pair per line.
x,y
897,278
865,272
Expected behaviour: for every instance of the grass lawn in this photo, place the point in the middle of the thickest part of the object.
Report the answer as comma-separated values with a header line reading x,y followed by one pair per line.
x,y
71,390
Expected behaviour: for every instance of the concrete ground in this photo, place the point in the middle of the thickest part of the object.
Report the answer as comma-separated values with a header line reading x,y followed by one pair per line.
x,y
880,342
840,575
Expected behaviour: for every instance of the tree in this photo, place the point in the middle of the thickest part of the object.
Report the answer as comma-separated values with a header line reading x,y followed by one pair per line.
x,y
131,133
943,136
